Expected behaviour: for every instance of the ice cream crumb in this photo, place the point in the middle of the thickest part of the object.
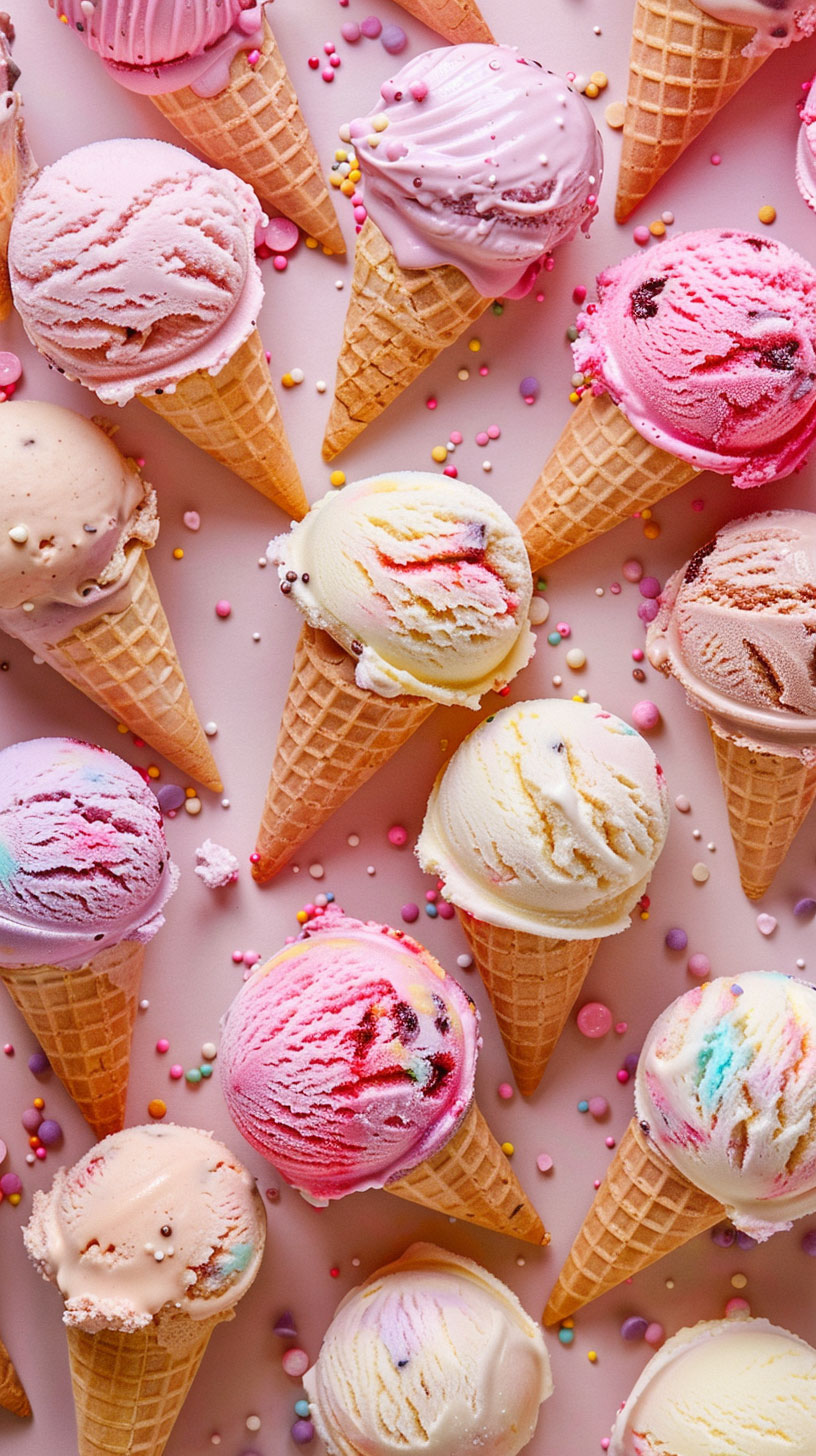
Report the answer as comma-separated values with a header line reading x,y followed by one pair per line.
x,y
215,865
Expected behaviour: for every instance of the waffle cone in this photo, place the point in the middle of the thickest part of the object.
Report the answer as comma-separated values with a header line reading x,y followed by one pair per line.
x,y
398,321
256,128
684,66
459,21
768,797
333,736
470,1178
533,982
234,416
83,1021
129,1388
600,472
12,1395
643,1209
126,662
10,176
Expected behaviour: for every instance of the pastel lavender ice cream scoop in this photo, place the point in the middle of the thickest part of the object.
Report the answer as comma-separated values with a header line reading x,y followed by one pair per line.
x,y
84,863
154,46
133,266
708,346
349,1058
478,157
152,1219
726,1085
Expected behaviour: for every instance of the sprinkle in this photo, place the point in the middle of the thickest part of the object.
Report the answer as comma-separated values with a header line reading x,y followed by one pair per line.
x,y
739,1281
592,1357
465,961
474,345
156,1107
505,1091
566,1335
295,1362
654,1335
699,966
676,939
576,659
439,454
176,1072
645,716
193,805
539,611
641,236
371,28
805,906
767,214
193,1076
700,873
209,1051
337,477
19,535
715,159
737,1308
594,1019
809,1242
766,924
649,586
682,804
508,1149
223,609
544,1163
529,389
657,228
302,1432
398,835
410,913
597,1107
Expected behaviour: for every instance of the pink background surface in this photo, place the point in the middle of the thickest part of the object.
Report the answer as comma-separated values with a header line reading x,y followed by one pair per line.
x,y
241,684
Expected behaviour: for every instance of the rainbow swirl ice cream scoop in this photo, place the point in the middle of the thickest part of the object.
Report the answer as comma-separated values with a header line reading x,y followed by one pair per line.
x,y
727,1085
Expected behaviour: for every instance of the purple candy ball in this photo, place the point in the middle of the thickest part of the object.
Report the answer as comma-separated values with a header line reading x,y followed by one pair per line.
x,y
649,586
676,939
38,1063
635,1327
647,611
804,907
49,1132
31,1119
809,1242
10,1183
529,387
302,1433
371,27
393,39
745,1241
170,797
723,1235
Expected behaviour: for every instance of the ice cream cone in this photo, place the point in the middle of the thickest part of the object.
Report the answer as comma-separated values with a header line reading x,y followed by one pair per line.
x,y
255,127
126,662
129,1388
234,416
398,321
768,797
533,982
643,1209
12,1395
83,1020
470,1178
333,737
684,66
459,21
13,154
600,472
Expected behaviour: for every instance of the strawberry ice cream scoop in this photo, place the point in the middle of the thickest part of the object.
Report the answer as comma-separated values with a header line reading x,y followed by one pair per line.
x,y
708,346
349,1058
162,45
425,582
726,1085
133,265
83,859
479,157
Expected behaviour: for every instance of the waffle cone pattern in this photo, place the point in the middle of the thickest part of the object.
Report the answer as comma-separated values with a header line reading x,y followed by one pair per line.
x,y
126,662
600,472
9,186
398,321
333,737
684,66
234,416
533,983
83,1021
12,1395
470,1178
255,127
129,1388
459,21
643,1209
768,797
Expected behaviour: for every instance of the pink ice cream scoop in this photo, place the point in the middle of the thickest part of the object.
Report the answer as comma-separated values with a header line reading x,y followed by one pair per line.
x,y
708,346
349,1058
83,859
133,265
154,46
479,157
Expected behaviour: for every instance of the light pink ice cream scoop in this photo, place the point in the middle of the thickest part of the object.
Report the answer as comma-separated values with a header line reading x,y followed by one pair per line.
x,y
154,46
133,265
84,863
479,157
349,1058
708,346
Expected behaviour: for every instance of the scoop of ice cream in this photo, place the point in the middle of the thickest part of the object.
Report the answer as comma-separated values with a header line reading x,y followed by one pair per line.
x,y
727,1085
133,265
737,627
708,345
431,1355
478,157
74,515
153,48
776,22
806,150
84,863
349,1058
424,580
150,1218
732,1387
549,818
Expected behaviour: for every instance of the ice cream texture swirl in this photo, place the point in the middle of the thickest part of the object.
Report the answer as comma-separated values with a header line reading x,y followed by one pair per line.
x,y
155,46
726,1083
479,157
349,1058
151,1218
425,582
